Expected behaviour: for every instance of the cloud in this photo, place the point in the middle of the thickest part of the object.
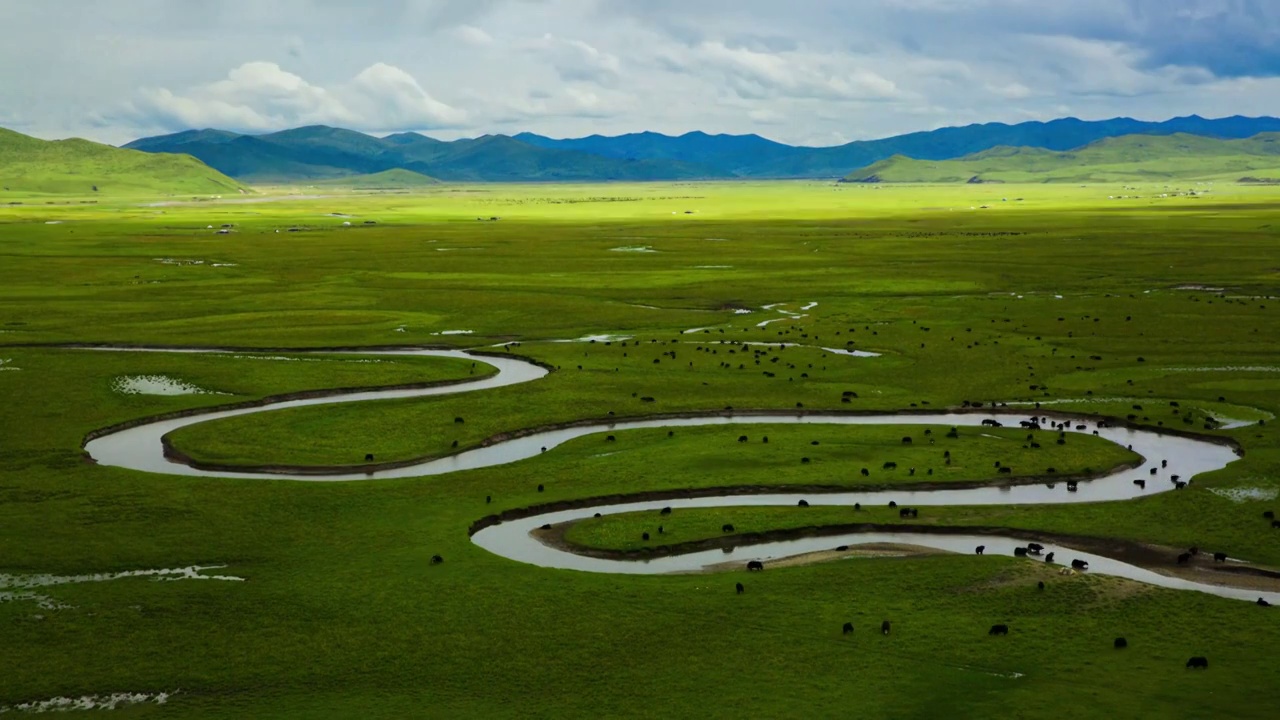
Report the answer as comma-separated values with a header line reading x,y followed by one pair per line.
x,y
758,75
261,96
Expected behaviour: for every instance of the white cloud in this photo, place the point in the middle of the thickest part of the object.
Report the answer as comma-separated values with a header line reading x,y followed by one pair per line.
x,y
261,96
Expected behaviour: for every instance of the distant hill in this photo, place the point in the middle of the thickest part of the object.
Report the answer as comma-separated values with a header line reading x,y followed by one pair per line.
x,y
1131,158
321,153
32,166
386,180
317,153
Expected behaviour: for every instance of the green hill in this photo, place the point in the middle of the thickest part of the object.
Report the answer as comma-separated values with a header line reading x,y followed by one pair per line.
x,y
387,180
1132,158
30,166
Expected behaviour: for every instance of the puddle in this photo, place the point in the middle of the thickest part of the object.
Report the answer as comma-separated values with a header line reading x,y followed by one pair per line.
x,y
157,385
595,338
1246,494
634,249
193,572
89,702
695,331
742,311
7,363
767,323
712,267
455,332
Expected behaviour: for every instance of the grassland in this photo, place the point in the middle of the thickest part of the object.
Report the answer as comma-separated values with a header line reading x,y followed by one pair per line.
x,y
1127,159
33,168
1064,296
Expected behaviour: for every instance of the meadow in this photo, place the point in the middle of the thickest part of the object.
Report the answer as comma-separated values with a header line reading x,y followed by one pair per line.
x,y
1015,293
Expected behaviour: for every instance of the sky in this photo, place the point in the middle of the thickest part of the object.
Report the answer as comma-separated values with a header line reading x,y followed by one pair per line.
x,y
810,72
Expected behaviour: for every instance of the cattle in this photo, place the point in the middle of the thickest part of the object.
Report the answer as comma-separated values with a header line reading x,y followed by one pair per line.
x,y
1006,471
540,488
848,628
1219,557
1198,663
660,530
893,503
1275,524
1155,471
1184,558
644,536
665,511
884,628
458,421
547,526
890,466
991,423
1040,585
1263,603
866,472
1141,483
741,589
742,438
368,457
842,548
1269,514
998,630
1079,565
488,499
1072,486
1194,550
755,566
804,503
1020,552
1121,643
904,513
1035,547
1174,478
436,559
1048,558
726,528
804,461
611,439
980,549
857,507
906,441
1164,463
1179,486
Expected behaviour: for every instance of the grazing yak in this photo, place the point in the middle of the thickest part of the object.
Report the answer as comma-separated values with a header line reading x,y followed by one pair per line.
x,y
980,549
368,457
665,511
741,589
998,630
1121,643
1141,483
436,559
1262,602
755,566
1184,558
1219,557
643,536
1020,552
884,627
848,628
726,528
1198,663
803,503
1079,565
1048,558
1040,585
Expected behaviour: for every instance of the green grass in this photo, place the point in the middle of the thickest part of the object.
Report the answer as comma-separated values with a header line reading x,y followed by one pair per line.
x,y
343,615
386,180
32,168
1128,159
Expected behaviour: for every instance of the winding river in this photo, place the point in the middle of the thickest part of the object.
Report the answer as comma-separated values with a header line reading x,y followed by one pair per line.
x,y
140,448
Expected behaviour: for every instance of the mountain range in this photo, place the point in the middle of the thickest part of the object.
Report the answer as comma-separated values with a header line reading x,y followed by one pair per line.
x,y
320,153
1130,158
